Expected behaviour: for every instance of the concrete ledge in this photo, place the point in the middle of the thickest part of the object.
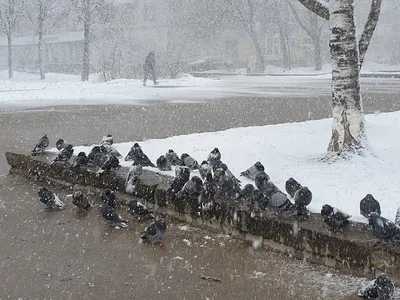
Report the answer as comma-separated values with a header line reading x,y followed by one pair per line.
x,y
309,240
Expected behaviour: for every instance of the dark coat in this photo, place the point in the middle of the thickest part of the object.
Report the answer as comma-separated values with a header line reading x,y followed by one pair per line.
x,y
150,62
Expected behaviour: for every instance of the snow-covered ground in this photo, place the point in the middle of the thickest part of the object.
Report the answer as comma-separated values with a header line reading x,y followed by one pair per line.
x,y
295,150
27,90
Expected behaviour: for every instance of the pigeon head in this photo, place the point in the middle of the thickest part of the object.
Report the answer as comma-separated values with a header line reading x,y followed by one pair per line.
x,y
69,147
326,210
78,194
248,188
304,192
223,166
184,155
197,180
108,196
259,166
382,279
136,145
215,150
82,154
42,191
161,225
171,151
204,162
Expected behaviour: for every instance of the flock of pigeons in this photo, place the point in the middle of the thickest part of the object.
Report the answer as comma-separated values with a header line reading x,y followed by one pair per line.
x,y
216,180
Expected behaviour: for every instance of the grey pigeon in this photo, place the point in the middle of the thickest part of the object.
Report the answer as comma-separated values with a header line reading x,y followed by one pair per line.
x,y
262,182
108,196
182,174
302,198
253,171
154,232
163,164
381,288
204,169
230,176
80,161
193,187
50,199
214,157
368,205
188,161
112,162
383,229
95,150
139,158
111,217
41,145
334,217
139,210
64,155
225,185
209,189
80,200
107,140
292,186
247,193
173,158
132,179
111,150
61,144
279,201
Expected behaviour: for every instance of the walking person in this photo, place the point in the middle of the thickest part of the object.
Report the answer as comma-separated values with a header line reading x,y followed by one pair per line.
x,y
149,67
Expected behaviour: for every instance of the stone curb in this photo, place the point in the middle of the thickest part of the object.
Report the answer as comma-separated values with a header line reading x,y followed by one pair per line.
x,y
309,240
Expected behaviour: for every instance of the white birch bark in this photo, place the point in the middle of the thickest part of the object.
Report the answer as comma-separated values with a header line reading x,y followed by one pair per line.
x,y
348,117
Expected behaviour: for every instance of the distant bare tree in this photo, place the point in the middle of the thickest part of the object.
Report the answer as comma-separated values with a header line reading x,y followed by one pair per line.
x,y
348,132
45,15
245,11
10,12
313,26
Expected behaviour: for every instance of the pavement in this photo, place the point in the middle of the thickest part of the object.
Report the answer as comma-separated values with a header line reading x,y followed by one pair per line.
x,y
70,255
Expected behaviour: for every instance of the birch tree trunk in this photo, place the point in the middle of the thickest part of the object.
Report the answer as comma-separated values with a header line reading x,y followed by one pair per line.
x,y
40,47
348,117
10,56
86,41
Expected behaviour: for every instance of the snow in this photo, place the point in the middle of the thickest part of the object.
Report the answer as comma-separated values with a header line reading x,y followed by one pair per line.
x,y
295,150
27,90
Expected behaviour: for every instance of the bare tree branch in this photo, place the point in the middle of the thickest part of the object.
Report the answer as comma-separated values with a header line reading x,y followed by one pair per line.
x,y
318,7
369,28
296,16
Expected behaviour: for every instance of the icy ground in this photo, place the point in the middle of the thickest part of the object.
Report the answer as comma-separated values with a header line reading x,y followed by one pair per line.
x,y
295,150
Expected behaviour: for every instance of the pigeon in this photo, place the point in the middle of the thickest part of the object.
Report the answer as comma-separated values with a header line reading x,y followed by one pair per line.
x,y
95,150
292,186
112,162
108,196
204,169
214,157
80,161
188,161
132,179
80,200
397,218
107,140
139,158
193,187
381,288
302,198
154,232
99,159
163,164
253,171
111,150
111,217
383,229
334,217
173,157
42,144
262,182
139,210
50,199
61,144
209,189
64,155
368,205
225,185
247,193
279,201
182,176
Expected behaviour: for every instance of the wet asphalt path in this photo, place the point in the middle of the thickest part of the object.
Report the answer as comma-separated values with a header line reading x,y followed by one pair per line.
x,y
66,255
